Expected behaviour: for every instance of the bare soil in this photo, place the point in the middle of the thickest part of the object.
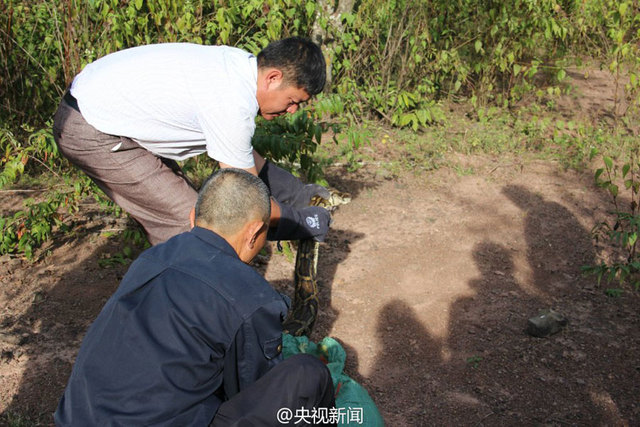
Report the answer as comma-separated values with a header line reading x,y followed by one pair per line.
x,y
426,279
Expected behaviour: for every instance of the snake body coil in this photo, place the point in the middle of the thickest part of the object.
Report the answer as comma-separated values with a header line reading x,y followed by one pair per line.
x,y
304,309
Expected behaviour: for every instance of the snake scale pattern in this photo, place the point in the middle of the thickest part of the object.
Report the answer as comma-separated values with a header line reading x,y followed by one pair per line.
x,y
304,308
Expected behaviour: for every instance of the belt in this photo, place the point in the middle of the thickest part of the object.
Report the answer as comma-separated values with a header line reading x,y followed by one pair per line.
x,y
71,101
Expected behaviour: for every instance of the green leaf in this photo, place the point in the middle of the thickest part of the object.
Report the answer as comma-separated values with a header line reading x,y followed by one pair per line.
x,y
608,162
128,252
349,18
516,69
138,4
318,134
598,173
311,8
622,8
422,116
478,46
561,75
625,170
406,118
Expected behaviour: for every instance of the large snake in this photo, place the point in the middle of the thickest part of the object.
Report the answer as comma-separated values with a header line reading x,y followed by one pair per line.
x,y
304,308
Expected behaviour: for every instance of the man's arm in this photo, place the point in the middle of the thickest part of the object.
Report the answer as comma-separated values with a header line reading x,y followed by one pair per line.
x,y
257,347
255,170
259,161
291,216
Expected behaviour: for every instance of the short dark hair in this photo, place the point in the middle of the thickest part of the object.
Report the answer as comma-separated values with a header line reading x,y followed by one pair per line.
x,y
300,60
230,198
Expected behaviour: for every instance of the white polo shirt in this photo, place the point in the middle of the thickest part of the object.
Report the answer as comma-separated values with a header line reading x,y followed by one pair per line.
x,y
177,100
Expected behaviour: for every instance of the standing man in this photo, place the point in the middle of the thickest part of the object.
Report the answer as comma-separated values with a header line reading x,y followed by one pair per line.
x,y
128,117
193,334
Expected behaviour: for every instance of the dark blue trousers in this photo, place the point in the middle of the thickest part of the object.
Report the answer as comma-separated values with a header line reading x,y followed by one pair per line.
x,y
298,391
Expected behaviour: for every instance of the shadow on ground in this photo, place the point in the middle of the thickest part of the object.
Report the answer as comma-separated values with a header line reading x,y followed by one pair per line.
x,y
487,370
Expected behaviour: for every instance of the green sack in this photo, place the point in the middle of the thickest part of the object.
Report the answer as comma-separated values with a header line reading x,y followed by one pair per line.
x,y
353,404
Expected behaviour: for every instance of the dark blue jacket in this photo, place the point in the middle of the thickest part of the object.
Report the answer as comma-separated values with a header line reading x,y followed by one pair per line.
x,y
190,326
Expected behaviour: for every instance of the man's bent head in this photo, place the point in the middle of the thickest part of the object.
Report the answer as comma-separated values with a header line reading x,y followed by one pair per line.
x,y
236,205
300,61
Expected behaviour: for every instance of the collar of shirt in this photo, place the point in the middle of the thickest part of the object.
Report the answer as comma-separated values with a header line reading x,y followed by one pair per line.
x,y
214,239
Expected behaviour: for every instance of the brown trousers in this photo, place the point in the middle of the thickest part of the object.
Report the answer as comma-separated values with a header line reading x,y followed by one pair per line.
x,y
152,190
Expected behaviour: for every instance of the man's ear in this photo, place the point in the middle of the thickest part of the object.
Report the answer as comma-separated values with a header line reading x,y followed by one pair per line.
x,y
253,231
192,217
247,240
273,78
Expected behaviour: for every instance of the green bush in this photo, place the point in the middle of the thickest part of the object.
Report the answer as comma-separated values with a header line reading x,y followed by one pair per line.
x,y
623,229
292,139
392,60
388,59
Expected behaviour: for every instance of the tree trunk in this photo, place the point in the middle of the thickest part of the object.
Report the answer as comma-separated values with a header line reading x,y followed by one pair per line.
x,y
330,12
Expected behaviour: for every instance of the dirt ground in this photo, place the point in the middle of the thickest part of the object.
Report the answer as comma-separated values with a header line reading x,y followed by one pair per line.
x,y
427,280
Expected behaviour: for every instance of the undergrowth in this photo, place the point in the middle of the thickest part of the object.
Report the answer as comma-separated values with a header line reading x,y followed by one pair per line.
x,y
620,260
414,81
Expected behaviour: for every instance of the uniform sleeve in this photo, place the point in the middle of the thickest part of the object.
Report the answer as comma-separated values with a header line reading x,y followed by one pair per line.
x,y
256,349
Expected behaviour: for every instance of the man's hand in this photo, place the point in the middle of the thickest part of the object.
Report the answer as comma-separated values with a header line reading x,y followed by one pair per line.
x,y
288,189
302,198
296,224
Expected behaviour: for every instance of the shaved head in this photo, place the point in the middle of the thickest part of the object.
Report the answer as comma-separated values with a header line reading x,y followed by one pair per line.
x,y
231,198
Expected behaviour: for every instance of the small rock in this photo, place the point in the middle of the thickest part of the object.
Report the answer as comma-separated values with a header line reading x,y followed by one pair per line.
x,y
548,322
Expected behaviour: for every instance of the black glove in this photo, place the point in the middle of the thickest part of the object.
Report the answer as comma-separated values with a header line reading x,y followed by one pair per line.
x,y
297,224
286,188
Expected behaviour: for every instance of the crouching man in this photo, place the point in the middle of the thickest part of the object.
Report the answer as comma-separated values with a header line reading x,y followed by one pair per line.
x,y
193,334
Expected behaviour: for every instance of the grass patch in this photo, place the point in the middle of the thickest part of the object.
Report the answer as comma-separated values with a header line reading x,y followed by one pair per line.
x,y
535,131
